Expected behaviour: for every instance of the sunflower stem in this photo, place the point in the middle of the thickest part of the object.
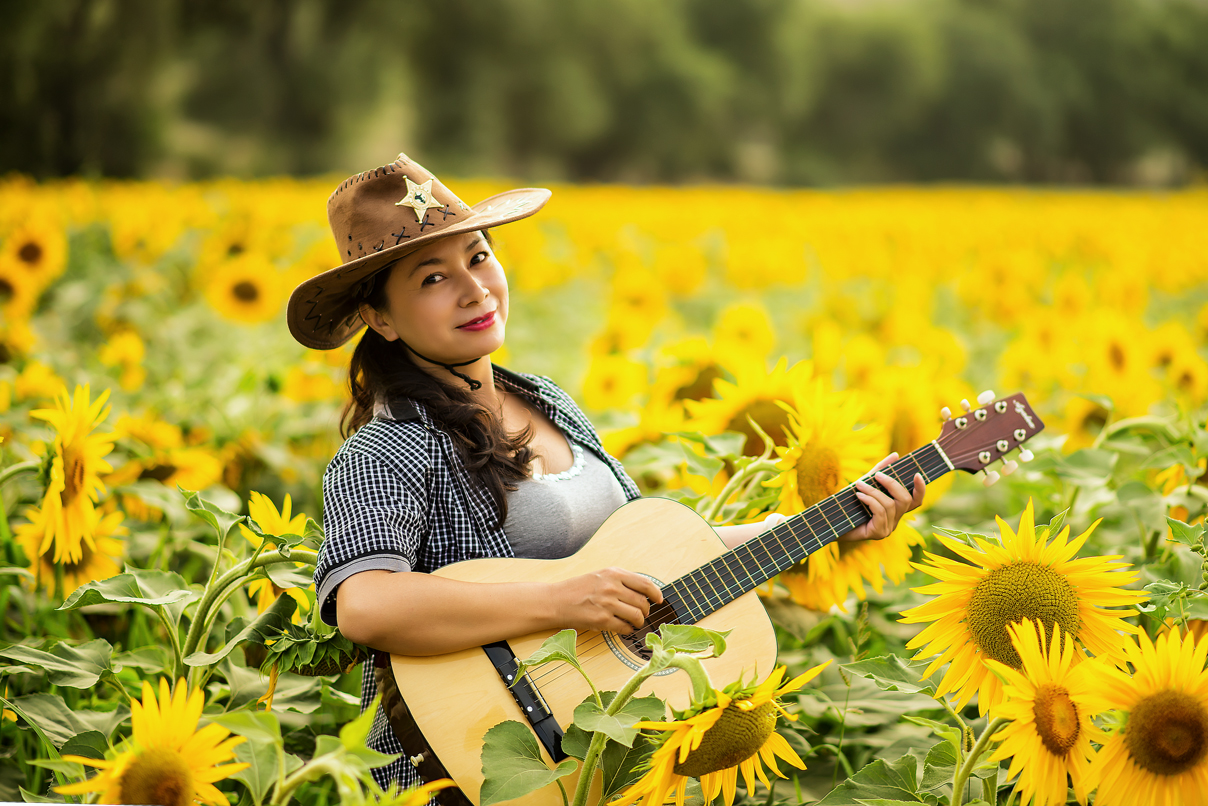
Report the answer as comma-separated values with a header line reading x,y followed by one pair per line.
x,y
952,712
12,471
588,771
739,478
702,686
174,637
198,629
966,769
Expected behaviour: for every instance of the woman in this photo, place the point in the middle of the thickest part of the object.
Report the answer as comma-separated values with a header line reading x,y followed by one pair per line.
x,y
451,457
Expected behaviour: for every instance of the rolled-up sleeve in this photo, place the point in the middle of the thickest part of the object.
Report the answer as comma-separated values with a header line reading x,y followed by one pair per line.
x,y
373,518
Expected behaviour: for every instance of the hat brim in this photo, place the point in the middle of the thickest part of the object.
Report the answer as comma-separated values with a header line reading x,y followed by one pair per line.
x,y
323,311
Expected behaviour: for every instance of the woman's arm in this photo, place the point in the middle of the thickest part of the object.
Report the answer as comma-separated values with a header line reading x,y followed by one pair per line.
x,y
409,613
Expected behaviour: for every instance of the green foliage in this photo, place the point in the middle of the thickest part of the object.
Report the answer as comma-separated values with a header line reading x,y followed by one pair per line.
x,y
513,766
815,91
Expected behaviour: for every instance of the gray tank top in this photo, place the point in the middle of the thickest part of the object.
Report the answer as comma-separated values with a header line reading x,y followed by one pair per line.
x,y
552,515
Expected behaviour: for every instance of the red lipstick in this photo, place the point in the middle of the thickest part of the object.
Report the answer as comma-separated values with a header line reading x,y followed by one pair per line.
x,y
481,323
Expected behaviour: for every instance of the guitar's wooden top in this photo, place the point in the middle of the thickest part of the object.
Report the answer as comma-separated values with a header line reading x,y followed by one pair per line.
x,y
456,698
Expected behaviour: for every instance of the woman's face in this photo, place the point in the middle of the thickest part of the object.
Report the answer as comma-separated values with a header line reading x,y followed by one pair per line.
x,y
447,300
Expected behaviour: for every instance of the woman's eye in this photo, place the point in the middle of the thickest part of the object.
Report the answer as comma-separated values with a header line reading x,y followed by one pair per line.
x,y
479,257
431,278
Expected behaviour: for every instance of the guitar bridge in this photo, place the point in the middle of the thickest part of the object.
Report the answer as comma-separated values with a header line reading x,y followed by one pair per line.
x,y
526,695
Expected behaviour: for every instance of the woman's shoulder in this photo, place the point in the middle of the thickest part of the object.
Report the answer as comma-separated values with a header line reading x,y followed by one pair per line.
x,y
397,443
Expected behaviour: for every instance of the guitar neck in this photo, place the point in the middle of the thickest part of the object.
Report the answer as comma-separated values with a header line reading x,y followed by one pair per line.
x,y
742,569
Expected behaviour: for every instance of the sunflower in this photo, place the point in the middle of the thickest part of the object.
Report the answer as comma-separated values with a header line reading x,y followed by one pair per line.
x,y
246,289
18,293
39,247
730,733
309,385
1025,575
37,382
826,449
755,393
744,330
825,453
614,382
77,461
262,510
126,351
1049,703
827,576
168,761
1160,755
99,555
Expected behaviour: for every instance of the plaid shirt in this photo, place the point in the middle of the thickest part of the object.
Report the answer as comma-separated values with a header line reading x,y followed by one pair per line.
x,y
397,497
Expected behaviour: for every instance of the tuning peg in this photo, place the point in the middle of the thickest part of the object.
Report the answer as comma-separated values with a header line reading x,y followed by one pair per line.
x,y
946,413
991,477
1025,455
1009,467
986,397
965,405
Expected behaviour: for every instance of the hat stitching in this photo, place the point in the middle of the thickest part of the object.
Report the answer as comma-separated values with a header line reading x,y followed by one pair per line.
x,y
398,236
425,222
447,212
381,245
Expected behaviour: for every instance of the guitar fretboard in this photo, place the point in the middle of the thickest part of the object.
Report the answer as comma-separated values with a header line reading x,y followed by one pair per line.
x,y
742,569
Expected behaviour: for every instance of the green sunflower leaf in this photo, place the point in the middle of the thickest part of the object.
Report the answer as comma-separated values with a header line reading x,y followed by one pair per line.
x,y
219,518
79,666
89,744
1188,535
258,727
879,780
687,638
269,623
891,673
621,766
619,726
155,589
512,764
1089,465
558,647
285,575
49,714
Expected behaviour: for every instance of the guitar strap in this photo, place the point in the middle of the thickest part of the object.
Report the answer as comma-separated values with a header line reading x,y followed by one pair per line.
x,y
399,717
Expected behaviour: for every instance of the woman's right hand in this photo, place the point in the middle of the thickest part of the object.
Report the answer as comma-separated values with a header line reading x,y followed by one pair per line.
x,y
611,599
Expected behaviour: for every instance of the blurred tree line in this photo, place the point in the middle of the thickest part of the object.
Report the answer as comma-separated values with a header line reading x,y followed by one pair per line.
x,y
779,91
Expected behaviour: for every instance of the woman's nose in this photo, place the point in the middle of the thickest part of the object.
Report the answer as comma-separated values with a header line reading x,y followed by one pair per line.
x,y
475,290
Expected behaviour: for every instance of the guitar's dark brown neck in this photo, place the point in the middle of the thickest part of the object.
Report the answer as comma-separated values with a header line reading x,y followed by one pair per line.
x,y
742,569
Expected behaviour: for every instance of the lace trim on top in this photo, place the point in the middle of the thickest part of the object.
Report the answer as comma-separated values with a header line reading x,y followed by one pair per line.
x,y
575,468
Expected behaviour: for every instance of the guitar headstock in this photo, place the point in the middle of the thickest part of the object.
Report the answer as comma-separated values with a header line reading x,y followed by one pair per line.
x,y
976,438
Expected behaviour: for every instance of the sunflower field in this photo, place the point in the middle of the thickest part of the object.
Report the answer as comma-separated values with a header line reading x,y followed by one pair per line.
x,y
747,352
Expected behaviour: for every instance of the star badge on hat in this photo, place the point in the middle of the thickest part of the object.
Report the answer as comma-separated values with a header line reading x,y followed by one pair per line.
x,y
419,198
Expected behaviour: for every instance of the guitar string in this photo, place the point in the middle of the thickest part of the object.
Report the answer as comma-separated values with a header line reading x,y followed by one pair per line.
x,y
664,609
587,652
594,649
594,652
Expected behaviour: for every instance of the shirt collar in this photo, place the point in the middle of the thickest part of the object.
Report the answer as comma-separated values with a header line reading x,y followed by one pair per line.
x,y
403,409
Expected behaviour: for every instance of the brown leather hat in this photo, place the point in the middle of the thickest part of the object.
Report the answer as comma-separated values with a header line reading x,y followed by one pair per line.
x,y
378,217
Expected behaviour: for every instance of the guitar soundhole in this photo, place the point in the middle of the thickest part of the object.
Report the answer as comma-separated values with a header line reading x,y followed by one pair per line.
x,y
635,642
628,646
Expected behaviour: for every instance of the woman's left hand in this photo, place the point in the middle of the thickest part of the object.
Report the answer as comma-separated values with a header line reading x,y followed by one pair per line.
x,y
886,507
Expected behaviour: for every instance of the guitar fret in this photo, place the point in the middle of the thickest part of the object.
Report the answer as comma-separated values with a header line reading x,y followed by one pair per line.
x,y
744,568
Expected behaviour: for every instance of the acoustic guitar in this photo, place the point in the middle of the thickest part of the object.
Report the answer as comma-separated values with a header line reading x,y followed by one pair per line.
x,y
454,699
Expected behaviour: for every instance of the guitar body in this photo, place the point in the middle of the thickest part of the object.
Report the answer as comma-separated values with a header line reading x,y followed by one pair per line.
x,y
456,698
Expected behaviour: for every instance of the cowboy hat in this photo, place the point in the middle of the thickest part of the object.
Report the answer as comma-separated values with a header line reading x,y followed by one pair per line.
x,y
378,217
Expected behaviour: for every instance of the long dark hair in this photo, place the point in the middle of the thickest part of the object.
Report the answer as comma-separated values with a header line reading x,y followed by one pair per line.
x,y
382,370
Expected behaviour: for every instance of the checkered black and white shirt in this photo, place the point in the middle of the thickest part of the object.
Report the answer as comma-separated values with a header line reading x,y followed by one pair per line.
x,y
397,497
